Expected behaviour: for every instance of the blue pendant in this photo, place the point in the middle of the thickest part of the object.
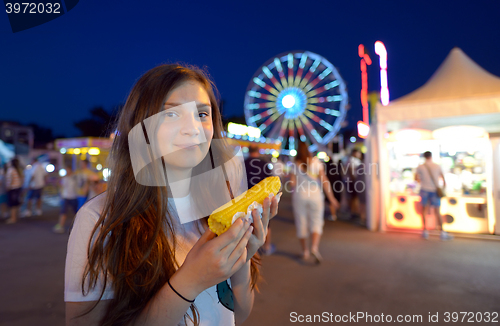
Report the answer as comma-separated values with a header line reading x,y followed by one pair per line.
x,y
225,295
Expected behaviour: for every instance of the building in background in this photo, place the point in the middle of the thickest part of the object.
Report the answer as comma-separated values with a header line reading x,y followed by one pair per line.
x,y
17,138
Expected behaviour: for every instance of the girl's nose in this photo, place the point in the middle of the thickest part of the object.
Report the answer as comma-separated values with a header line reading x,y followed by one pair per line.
x,y
191,126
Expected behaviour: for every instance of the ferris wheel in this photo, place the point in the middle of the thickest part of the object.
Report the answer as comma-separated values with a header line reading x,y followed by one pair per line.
x,y
297,95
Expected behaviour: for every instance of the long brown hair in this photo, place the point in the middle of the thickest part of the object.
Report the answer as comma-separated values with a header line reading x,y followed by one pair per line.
x,y
303,156
134,239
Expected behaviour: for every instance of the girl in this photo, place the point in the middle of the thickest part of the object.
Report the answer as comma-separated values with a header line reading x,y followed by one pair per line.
x,y
130,259
308,201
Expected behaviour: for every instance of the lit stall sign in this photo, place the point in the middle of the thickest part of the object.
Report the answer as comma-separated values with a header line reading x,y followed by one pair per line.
x,y
365,60
363,129
236,129
384,88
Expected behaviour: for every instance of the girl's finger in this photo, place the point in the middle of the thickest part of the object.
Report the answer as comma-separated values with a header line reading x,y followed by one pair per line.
x,y
259,226
205,237
265,211
240,262
274,206
238,251
233,235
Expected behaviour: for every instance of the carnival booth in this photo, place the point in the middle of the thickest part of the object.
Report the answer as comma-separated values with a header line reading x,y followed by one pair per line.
x,y
455,116
93,149
246,136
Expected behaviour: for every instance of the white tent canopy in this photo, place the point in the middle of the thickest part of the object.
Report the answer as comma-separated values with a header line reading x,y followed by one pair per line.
x,y
459,92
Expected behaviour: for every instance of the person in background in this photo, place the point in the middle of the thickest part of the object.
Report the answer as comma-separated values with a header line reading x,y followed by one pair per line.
x,y
361,189
84,178
308,179
14,185
28,171
333,173
3,192
68,199
428,175
353,162
94,186
37,181
257,170
279,170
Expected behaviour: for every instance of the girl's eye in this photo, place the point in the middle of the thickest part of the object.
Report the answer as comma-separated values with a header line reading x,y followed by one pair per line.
x,y
171,114
203,114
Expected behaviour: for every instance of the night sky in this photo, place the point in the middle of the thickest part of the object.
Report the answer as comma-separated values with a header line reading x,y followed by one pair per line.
x,y
91,56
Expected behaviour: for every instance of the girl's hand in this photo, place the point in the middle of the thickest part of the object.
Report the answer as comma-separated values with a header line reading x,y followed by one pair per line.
x,y
212,261
258,237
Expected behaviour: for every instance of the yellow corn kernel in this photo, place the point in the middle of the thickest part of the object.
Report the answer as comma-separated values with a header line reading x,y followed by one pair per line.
x,y
220,219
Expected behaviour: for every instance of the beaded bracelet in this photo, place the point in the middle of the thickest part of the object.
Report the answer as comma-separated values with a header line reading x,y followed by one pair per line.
x,y
180,295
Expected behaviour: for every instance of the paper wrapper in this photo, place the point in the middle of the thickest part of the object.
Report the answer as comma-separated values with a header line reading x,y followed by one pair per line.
x,y
251,207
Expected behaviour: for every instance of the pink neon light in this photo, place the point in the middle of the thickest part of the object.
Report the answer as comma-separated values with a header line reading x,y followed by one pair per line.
x,y
365,60
384,87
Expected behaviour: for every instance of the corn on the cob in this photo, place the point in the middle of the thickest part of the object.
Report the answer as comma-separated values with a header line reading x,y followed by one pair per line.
x,y
221,219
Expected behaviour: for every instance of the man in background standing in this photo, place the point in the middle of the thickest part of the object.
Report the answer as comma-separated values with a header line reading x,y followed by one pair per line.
x,y
333,173
351,165
428,175
84,177
37,181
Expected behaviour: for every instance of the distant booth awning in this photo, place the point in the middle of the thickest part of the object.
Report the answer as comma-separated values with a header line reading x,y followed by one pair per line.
x,y
84,142
459,93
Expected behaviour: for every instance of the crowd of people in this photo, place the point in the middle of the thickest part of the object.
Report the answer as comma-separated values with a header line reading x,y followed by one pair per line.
x,y
23,187
313,183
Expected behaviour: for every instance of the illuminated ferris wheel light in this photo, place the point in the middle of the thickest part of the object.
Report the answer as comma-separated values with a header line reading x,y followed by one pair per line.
x,y
288,101
296,95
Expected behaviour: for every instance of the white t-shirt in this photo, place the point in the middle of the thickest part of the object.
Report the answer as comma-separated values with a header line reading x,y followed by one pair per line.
x,y
69,187
210,303
38,175
308,184
426,182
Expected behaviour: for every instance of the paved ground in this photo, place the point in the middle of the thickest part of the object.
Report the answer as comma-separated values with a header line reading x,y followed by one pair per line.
x,y
375,273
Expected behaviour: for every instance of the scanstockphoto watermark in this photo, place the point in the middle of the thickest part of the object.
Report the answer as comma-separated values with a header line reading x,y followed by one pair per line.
x,y
430,317
357,317
28,14
350,177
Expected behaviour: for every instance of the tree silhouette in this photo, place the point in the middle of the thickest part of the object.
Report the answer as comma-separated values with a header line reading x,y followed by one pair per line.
x,y
99,124
41,135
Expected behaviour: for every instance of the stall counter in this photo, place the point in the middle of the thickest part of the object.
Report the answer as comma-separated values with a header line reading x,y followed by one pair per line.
x,y
461,213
